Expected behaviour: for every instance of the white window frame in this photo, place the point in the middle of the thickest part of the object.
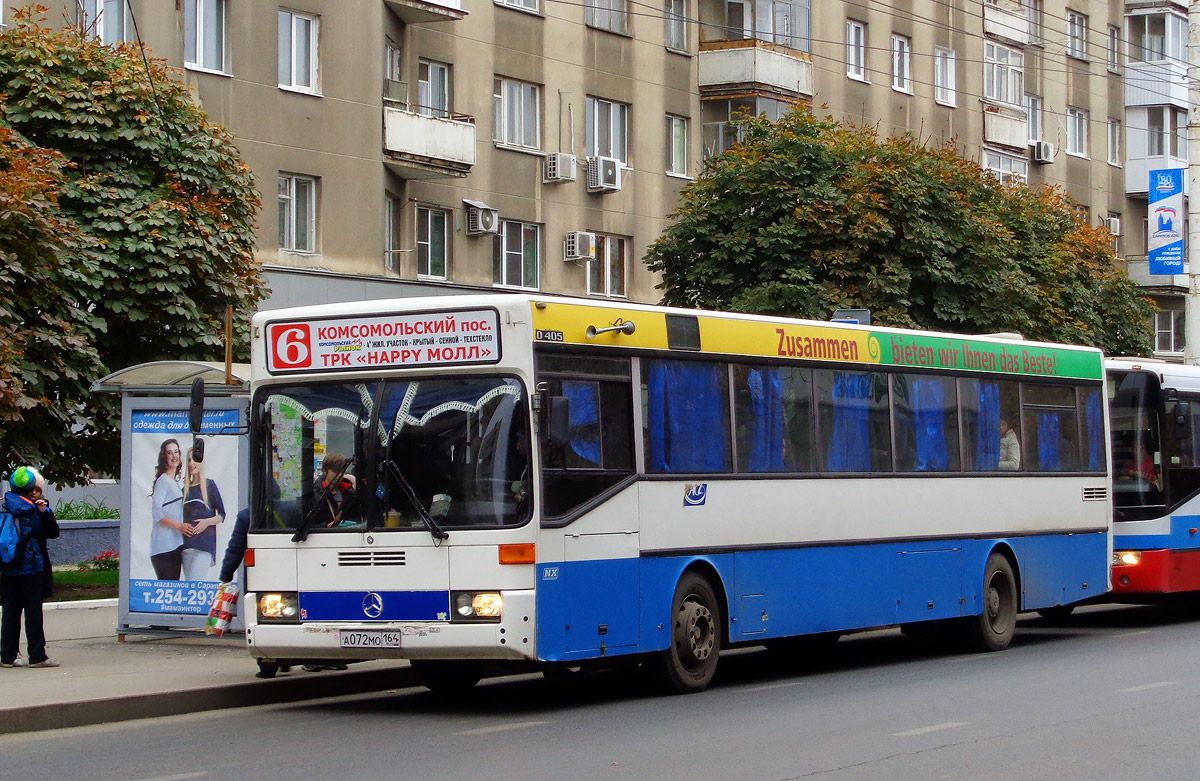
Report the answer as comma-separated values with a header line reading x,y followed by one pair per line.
x,y
856,49
429,220
675,32
1114,142
1034,117
1033,12
433,88
611,15
1077,35
1009,169
290,186
295,74
1077,132
945,77
99,23
603,113
1169,327
197,36
521,5
501,253
677,145
611,264
902,63
518,112
1114,49
1003,73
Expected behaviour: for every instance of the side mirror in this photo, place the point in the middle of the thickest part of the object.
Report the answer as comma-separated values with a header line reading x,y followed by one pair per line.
x,y
560,420
196,407
1181,416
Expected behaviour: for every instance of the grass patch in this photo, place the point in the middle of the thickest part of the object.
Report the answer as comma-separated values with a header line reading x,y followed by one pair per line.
x,y
71,585
84,510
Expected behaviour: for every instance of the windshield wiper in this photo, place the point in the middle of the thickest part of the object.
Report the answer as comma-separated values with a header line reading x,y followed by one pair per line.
x,y
302,529
434,527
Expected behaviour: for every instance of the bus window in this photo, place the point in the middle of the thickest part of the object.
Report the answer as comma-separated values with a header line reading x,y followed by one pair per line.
x,y
926,420
687,416
773,418
1134,410
1091,448
854,427
1183,453
1051,429
991,425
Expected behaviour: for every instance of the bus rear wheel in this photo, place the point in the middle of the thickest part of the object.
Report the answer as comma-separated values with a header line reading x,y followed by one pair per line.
x,y
447,677
690,660
992,629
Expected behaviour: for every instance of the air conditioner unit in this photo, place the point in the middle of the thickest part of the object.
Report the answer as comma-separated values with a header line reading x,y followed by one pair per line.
x,y
1043,152
579,245
1113,224
560,167
481,218
604,174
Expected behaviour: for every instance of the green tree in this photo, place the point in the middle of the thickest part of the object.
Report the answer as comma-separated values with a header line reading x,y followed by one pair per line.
x,y
805,216
163,202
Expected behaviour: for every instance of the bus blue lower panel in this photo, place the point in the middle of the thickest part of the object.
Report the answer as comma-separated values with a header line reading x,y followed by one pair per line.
x,y
588,609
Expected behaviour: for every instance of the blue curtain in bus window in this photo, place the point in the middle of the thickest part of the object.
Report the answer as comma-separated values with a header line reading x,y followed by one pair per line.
x,y
928,399
1094,416
766,408
688,422
850,438
987,430
584,415
1049,455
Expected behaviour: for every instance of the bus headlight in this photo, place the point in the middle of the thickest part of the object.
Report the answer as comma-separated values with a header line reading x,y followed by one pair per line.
x,y
1126,557
279,608
485,606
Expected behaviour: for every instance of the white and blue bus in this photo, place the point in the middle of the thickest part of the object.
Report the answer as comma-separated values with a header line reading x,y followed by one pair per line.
x,y
557,482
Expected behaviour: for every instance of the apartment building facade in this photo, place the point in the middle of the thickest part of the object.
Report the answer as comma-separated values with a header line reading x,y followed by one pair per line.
x,y
541,144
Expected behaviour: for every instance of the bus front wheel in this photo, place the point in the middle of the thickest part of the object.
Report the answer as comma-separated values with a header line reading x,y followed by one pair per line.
x,y
444,676
690,659
992,629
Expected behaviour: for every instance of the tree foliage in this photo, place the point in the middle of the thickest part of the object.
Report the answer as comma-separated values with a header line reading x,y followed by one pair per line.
x,y
805,216
157,232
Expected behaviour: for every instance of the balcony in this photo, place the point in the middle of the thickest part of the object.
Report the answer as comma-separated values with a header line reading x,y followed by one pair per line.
x,y
413,11
733,67
422,147
1011,25
1137,171
1156,83
1005,125
1139,274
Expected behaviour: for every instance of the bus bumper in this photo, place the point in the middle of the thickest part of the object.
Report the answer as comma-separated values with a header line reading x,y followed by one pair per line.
x,y
1156,572
511,639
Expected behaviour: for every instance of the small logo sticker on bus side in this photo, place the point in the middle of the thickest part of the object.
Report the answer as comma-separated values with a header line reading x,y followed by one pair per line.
x,y
549,573
694,494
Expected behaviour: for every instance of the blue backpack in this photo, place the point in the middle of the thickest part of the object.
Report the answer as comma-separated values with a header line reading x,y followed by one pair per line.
x,y
10,538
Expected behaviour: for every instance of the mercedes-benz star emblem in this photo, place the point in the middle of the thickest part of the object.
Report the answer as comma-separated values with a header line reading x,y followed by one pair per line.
x,y
372,605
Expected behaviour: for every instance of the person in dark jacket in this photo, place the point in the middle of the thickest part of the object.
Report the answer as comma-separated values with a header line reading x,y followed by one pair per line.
x,y
23,581
236,548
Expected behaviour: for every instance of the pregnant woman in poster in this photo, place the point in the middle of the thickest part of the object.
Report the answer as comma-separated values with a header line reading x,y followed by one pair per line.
x,y
166,507
202,511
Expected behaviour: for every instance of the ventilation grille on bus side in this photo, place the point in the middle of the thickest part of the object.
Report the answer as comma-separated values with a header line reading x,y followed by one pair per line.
x,y
1095,494
370,558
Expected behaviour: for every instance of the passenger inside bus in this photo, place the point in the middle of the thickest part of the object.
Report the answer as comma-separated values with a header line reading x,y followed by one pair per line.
x,y
337,486
1010,449
1140,465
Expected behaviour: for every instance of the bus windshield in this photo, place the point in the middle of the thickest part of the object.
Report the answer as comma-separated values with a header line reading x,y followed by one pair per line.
x,y
416,454
1136,446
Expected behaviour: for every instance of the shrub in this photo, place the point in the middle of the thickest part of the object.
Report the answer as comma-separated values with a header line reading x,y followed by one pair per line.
x,y
108,560
84,510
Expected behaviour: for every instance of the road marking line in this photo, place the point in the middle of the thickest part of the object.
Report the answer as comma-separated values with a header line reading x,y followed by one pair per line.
x,y
502,728
926,730
179,777
764,687
1121,635
1146,686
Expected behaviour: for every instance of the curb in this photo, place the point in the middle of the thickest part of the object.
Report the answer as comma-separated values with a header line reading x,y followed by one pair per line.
x,y
61,715
81,603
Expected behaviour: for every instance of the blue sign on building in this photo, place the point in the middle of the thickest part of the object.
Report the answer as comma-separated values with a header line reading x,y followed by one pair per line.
x,y
1166,221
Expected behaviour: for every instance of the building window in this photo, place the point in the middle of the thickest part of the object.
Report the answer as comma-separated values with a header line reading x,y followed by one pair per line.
x,y
297,213
675,34
611,15
677,145
433,242
719,133
856,49
518,113
1003,73
606,273
297,51
1168,331
1114,48
1009,169
1077,33
785,22
1166,131
108,20
1077,132
1033,117
1113,223
392,251
1157,37
607,129
204,34
1114,142
524,5
516,254
1033,12
433,88
901,63
944,77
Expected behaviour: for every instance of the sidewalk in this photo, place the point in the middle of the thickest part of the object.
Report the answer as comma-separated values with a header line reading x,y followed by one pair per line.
x,y
101,680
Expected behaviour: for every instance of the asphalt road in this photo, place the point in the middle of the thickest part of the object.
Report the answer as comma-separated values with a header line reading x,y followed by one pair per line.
x,y
1110,693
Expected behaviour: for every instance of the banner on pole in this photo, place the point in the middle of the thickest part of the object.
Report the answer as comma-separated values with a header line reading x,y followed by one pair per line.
x,y
1166,221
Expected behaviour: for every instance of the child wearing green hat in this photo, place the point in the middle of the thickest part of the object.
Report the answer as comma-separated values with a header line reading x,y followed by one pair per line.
x,y
22,581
